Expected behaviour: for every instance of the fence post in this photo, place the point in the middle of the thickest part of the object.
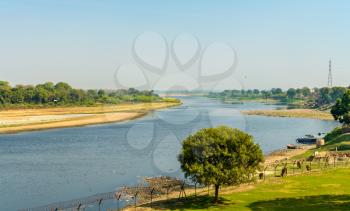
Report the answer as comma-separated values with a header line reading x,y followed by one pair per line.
x,y
117,197
301,165
182,191
167,191
99,204
135,197
152,191
275,166
195,189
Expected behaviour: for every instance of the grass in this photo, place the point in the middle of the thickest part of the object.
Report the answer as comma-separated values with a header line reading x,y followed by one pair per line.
x,y
328,190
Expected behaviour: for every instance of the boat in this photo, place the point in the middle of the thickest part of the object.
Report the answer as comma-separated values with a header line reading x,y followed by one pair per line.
x,y
307,139
291,146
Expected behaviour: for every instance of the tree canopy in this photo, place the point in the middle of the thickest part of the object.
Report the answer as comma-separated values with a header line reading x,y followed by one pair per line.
x,y
316,97
220,156
341,109
64,94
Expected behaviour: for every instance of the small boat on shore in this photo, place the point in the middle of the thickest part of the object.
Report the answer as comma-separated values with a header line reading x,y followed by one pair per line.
x,y
292,146
307,139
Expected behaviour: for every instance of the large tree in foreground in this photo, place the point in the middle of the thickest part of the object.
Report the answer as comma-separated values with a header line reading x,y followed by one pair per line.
x,y
220,156
341,109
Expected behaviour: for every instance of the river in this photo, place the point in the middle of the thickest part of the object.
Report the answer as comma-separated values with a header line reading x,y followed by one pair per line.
x,y
38,168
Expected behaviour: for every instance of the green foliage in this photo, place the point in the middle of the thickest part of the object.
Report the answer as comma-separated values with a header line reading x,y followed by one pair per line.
x,y
291,93
220,156
61,94
316,98
171,100
333,134
340,110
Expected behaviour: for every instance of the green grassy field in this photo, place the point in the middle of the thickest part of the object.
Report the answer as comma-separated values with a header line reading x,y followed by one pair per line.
x,y
327,190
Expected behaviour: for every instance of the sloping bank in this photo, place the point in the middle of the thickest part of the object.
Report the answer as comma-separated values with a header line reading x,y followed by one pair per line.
x,y
19,120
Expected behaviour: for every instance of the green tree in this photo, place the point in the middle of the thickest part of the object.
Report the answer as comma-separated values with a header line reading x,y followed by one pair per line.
x,y
41,95
101,93
306,91
291,93
324,96
220,156
340,110
17,95
337,92
276,91
5,92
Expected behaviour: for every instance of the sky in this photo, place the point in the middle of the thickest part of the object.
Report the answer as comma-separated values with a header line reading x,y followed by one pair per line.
x,y
86,42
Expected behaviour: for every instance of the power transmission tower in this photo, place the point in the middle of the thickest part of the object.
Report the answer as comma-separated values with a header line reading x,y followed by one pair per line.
x,y
330,77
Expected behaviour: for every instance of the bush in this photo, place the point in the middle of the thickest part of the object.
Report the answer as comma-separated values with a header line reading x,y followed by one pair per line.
x,y
334,133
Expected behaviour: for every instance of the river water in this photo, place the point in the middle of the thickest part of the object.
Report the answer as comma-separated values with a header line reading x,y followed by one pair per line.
x,y
38,168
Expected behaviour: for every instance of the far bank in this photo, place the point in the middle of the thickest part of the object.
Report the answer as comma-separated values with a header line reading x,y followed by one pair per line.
x,y
20,120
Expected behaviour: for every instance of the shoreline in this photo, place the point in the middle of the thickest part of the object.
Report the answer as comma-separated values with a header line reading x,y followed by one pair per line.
x,y
24,120
270,158
293,113
281,154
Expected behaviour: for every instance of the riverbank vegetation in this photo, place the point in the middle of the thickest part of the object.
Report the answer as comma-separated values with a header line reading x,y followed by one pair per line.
x,y
321,98
220,156
316,180
48,105
341,109
326,190
62,94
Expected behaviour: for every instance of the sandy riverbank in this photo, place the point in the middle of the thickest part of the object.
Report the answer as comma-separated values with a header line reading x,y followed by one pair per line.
x,y
286,153
18,120
298,113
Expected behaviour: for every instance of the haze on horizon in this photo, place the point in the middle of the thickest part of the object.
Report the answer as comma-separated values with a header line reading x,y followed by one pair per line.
x,y
278,43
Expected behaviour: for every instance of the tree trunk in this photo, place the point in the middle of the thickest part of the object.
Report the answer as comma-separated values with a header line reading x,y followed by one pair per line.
x,y
216,197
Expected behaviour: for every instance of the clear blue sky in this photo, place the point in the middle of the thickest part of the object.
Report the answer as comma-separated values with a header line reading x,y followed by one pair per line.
x,y
279,43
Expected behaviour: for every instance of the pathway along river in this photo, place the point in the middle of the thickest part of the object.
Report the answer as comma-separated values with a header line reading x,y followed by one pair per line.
x,y
38,168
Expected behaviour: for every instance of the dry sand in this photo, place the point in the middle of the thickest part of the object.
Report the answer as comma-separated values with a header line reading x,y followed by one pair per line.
x,y
18,120
299,113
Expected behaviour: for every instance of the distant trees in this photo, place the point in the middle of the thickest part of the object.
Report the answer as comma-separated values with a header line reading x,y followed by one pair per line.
x,y
316,97
276,91
291,93
326,95
306,92
220,156
63,94
341,109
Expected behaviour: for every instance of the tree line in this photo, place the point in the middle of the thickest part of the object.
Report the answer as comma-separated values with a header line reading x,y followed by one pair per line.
x,y
63,94
315,97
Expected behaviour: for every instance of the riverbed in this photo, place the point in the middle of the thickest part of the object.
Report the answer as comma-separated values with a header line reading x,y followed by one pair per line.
x,y
38,168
